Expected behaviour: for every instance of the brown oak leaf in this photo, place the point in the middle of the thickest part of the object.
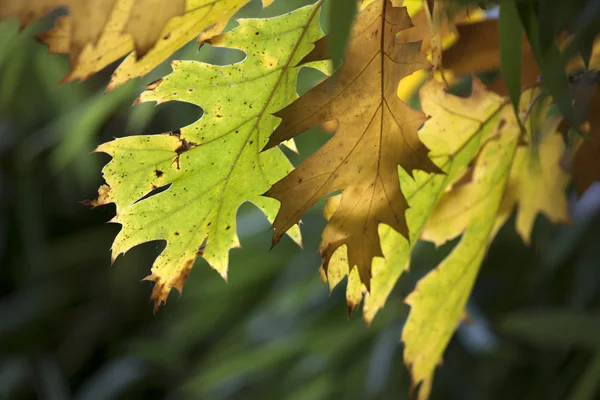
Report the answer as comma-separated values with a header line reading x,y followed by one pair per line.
x,y
376,133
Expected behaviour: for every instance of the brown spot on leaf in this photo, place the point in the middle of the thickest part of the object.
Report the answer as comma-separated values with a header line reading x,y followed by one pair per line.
x,y
158,173
183,147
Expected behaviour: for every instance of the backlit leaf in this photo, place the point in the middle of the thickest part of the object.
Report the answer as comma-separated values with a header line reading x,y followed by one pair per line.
x,y
376,132
131,19
505,175
214,165
438,302
470,120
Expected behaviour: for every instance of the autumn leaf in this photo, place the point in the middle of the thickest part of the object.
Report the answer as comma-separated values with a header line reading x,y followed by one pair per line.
x,y
91,17
376,133
478,50
211,167
454,132
438,301
505,174
131,19
143,20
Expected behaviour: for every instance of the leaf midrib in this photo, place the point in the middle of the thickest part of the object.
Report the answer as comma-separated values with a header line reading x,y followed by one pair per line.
x,y
261,114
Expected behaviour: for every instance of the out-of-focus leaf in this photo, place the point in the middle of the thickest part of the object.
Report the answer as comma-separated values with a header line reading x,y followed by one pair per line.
x,y
340,21
438,301
477,50
75,131
555,16
321,388
585,29
113,379
557,328
129,32
8,39
588,386
511,39
143,20
230,369
551,63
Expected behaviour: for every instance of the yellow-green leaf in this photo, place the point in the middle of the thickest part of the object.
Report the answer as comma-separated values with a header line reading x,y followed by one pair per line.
x,y
504,175
215,164
455,131
439,299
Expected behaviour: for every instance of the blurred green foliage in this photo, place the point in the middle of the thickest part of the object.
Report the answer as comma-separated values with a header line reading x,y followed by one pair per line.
x,y
74,327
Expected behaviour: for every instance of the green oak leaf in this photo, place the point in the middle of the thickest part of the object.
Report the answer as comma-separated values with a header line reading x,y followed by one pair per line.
x,y
215,164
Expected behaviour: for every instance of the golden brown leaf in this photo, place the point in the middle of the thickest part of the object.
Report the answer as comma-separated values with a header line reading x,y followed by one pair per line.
x,y
153,28
146,20
478,50
90,17
376,133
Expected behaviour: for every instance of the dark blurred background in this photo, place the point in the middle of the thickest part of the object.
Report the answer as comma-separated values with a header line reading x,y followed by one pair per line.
x,y
73,326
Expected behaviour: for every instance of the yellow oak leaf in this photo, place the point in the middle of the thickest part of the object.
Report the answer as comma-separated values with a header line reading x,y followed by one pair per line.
x,y
478,50
376,132
146,31
91,17
146,20
537,182
205,18
438,301
505,174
